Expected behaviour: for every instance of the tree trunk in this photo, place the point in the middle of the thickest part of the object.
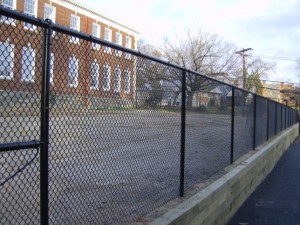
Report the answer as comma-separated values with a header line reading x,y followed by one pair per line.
x,y
189,99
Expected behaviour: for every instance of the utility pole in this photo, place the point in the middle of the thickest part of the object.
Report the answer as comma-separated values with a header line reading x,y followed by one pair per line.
x,y
242,53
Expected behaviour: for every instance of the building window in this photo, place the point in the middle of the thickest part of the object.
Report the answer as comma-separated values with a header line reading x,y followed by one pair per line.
x,y
28,64
107,37
73,72
106,78
118,42
96,33
127,45
117,80
94,75
51,67
6,60
75,24
49,13
127,81
30,8
10,4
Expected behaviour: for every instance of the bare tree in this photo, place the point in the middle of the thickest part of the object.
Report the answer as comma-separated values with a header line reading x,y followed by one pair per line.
x,y
149,74
202,53
206,54
256,70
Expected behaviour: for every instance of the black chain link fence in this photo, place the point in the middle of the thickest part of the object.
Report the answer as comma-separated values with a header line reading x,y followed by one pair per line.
x,y
92,133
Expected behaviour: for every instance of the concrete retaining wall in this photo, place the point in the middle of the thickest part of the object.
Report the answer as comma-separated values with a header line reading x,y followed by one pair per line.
x,y
217,203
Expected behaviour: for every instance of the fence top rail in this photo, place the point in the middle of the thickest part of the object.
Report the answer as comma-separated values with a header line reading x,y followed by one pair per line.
x,y
68,31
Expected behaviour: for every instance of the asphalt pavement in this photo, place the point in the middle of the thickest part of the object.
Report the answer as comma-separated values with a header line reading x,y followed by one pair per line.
x,y
277,200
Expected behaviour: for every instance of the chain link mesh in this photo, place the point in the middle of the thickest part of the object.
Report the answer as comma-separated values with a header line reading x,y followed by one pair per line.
x,y
20,103
114,128
261,125
208,129
244,123
114,147
272,119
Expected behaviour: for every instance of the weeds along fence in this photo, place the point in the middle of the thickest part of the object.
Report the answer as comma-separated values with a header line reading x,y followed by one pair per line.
x,y
94,133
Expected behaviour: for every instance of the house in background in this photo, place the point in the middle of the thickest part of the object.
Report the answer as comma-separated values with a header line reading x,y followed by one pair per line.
x,y
207,98
279,92
82,72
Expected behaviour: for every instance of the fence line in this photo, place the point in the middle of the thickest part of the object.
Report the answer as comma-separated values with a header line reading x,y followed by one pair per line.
x,y
116,139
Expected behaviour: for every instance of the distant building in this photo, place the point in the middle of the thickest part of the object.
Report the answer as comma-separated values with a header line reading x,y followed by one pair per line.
x,y
279,92
207,98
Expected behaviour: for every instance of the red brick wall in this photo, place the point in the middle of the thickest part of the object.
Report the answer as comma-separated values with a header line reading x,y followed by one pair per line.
x,y
63,49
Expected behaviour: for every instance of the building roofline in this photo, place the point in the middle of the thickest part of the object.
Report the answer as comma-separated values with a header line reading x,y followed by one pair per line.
x,y
85,8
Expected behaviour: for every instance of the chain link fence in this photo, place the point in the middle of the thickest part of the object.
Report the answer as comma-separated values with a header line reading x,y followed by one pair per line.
x,y
93,133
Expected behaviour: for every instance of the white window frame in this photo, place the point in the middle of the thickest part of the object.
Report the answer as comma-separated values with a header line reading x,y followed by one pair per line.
x,y
5,19
96,33
50,13
28,64
73,73
29,26
94,75
74,26
128,42
8,67
51,67
117,80
107,37
106,77
118,42
127,85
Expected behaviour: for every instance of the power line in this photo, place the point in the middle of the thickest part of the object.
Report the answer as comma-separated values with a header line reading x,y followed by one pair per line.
x,y
278,58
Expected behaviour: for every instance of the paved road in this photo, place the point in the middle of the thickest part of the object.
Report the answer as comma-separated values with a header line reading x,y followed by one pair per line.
x,y
277,199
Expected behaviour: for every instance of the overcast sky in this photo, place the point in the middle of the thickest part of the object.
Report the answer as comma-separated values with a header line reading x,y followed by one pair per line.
x,y
270,27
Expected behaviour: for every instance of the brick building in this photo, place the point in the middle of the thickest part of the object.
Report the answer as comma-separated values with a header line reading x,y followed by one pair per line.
x,y
80,69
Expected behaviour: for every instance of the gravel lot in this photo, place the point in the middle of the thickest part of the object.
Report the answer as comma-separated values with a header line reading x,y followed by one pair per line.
x,y
113,167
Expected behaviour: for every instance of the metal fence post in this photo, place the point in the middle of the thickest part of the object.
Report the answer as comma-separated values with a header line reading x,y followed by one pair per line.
x,y
44,176
232,124
182,147
280,118
268,117
254,121
276,118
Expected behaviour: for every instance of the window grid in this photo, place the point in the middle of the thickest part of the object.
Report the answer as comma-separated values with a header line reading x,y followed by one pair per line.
x,y
117,80
30,8
28,64
73,72
127,45
96,33
6,60
10,4
74,24
127,81
107,37
106,78
94,75
118,42
50,13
